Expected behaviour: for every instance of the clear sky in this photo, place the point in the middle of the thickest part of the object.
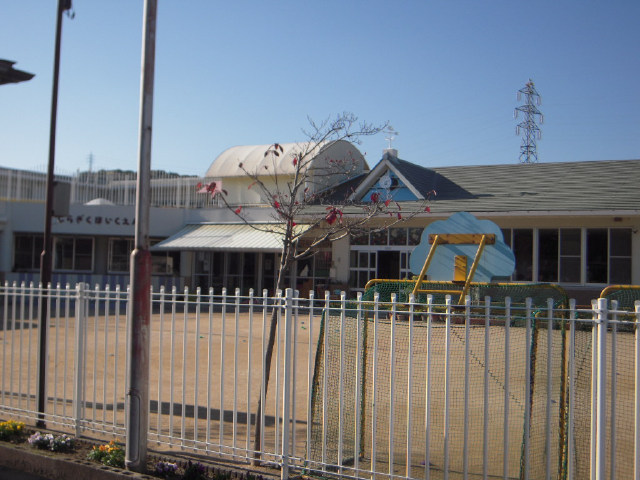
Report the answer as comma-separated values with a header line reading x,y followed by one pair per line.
x,y
444,74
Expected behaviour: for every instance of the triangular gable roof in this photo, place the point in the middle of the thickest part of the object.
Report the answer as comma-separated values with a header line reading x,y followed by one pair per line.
x,y
419,180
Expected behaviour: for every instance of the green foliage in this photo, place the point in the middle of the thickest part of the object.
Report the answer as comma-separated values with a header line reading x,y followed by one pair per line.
x,y
11,430
110,454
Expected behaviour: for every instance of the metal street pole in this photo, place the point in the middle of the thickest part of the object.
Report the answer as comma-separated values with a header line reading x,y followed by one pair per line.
x,y
137,404
46,257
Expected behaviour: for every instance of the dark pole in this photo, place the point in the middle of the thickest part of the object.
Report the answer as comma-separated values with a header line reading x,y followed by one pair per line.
x,y
46,256
137,405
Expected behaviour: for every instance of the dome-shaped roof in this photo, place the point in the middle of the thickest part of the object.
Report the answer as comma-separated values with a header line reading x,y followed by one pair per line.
x,y
253,158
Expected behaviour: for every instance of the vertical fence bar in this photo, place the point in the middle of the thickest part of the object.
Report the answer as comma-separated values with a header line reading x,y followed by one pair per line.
x,y
79,364
294,369
174,297
94,400
409,388
5,323
67,310
465,432
21,362
485,390
601,442
286,391
310,374
116,355
572,386
160,359
528,386
107,314
636,436
614,387
374,389
549,386
235,371
183,400
210,368
223,332
249,369
507,386
392,382
427,394
30,315
341,385
447,385
196,408
263,393
13,336
359,374
594,388
29,349
277,410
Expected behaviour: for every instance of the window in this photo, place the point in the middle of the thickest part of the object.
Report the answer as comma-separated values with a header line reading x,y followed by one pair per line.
x,y
561,256
620,256
522,246
73,253
548,255
570,254
119,254
26,253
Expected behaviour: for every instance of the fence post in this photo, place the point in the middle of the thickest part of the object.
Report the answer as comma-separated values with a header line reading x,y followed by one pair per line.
x,y
636,432
78,360
601,396
286,389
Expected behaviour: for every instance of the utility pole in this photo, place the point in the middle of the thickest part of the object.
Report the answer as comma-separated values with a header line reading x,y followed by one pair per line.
x,y
531,131
137,400
46,257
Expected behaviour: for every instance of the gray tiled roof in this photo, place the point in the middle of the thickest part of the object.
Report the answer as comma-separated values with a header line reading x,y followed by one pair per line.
x,y
564,186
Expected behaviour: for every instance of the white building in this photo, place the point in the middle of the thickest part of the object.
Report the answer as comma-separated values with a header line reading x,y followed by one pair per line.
x,y
576,224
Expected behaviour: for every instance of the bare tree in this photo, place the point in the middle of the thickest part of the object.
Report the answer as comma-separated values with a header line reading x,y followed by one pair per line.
x,y
303,205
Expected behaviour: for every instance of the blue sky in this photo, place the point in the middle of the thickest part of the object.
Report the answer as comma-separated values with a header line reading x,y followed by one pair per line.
x,y
443,73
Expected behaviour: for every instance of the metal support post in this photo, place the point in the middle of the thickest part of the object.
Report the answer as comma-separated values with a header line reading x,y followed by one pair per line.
x,y
601,395
286,389
137,399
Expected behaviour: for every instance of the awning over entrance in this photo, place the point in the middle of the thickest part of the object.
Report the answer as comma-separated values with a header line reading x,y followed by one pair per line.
x,y
240,237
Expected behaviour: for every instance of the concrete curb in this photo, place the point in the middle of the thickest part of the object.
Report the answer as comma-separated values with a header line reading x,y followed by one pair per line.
x,y
58,466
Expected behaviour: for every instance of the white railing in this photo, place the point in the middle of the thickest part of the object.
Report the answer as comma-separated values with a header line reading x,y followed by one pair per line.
x,y
117,187
357,389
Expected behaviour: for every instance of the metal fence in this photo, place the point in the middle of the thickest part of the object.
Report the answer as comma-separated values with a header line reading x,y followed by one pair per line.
x,y
357,389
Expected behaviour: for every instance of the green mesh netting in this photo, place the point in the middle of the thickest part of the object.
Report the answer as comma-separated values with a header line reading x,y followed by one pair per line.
x,y
625,295
363,366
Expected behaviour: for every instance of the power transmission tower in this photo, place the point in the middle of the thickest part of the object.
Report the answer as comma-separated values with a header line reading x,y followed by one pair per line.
x,y
528,152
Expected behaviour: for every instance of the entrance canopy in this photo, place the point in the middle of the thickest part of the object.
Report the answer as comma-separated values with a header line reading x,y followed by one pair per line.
x,y
239,237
